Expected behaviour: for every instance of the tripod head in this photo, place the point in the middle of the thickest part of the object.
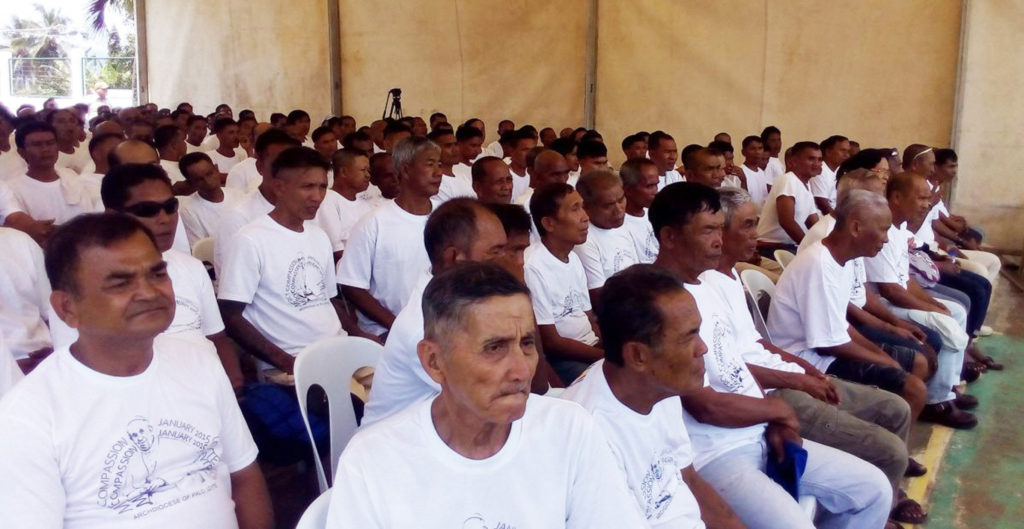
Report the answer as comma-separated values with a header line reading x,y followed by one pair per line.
x,y
393,104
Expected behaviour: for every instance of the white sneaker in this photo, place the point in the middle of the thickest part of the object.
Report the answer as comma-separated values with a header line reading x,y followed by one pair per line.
x,y
985,330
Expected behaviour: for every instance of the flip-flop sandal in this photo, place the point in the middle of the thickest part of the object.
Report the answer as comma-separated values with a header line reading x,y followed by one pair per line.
x,y
972,371
991,363
908,511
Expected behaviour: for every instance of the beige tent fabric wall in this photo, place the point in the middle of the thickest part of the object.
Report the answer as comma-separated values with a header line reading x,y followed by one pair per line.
x,y
990,144
811,68
520,59
270,57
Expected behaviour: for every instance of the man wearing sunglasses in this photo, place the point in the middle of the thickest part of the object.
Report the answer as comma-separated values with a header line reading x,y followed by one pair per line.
x,y
144,192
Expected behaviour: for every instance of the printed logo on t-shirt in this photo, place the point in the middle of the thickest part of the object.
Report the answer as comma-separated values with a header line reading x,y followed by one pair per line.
x,y
573,302
621,260
729,371
477,521
186,317
857,291
659,483
305,286
153,467
650,249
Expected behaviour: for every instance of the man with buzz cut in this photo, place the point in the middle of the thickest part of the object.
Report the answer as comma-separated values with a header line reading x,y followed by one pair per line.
x,y
662,150
124,429
493,454
609,247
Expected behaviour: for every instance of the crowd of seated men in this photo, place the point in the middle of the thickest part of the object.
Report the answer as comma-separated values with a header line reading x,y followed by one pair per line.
x,y
564,343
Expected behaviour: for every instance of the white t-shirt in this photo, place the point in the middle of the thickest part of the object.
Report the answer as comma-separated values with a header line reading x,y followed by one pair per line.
x,y
892,264
651,450
202,218
824,185
774,169
670,177
453,187
60,200
555,470
385,255
465,172
768,228
225,163
87,450
493,149
244,177
11,164
249,208
24,294
520,183
10,373
808,309
926,233
758,184
173,171
76,161
399,379
559,293
189,148
93,183
338,215
644,241
820,230
605,253
726,372
8,204
286,279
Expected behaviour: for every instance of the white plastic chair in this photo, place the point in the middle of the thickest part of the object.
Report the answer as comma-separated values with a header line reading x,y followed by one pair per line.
x,y
755,314
203,250
760,287
315,516
330,364
783,257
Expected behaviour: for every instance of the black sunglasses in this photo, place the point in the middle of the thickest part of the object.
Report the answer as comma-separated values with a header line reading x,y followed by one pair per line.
x,y
152,209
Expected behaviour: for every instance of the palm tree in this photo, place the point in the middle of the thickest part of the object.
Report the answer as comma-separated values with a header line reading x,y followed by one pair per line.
x,y
37,45
98,11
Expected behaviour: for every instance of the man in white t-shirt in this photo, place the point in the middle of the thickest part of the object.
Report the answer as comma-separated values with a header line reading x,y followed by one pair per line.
x,y
71,152
662,150
344,206
11,163
706,167
494,455
521,144
46,192
865,421
123,429
633,394
731,424
297,125
245,177
457,231
834,151
609,247
452,185
257,202
203,210
789,209
889,271
225,157
558,282
24,299
640,185
771,138
10,373
169,141
468,140
755,180
100,147
634,146
195,133
394,132
144,192
385,255
277,290
492,180
547,167
495,149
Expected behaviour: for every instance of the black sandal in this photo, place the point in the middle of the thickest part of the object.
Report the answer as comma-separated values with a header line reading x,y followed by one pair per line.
x,y
990,363
908,511
914,469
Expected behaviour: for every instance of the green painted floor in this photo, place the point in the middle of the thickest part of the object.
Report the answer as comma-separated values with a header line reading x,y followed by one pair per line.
x,y
980,482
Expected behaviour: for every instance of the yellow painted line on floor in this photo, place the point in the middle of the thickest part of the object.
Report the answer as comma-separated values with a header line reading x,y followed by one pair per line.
x,y
920,488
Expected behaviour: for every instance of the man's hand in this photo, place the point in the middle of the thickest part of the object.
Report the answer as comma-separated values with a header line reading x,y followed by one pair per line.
x,y
906,334
948,266
919,335
783,414
40,230
942,309
286,363
776,435
819,387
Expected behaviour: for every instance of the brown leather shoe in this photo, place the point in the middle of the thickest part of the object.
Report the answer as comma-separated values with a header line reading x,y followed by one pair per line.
x,y
947,414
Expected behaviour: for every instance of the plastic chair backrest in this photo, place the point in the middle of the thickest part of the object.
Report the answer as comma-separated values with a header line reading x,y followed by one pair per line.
x,y
760,287
203,250
330,364
315,516
783,257
755,314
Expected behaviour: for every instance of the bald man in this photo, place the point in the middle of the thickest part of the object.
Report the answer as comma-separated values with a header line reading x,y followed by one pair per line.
x,y
548,167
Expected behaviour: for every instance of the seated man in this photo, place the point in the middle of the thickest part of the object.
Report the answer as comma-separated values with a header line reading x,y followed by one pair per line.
x,y
652,356
24,300
170,143
343,207
46,192
834,151
383,179
277,288
754,180
592,155
609,247
468,140
162,408
706,167
640,185
99,149
458,230
225,156
547,167
203,210
521,143
789,209
731,424
662,150
518,227
568,147
492,180
733,173
520,460
634,146
452,185
861,420
297,126
385,255
558,282
195,133
245,177
889,271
